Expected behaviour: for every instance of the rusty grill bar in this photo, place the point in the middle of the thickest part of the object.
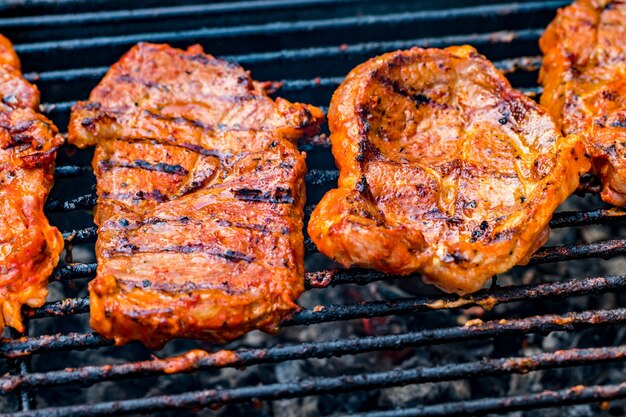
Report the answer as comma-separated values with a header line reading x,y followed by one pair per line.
x,y
247,357
18,349
347,383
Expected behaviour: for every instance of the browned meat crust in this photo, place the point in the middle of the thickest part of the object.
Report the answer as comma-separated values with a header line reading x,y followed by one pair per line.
x,y
444,169
200,198
584,80
29,246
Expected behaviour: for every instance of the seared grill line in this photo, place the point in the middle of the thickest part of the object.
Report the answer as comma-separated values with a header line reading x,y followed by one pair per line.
x,y
139,164
125,248
154,195
181,287
279,195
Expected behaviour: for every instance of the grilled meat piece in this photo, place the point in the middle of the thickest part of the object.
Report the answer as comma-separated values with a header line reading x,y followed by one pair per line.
x,y
7,54
29,246
444,169
200,198
15,91
584,85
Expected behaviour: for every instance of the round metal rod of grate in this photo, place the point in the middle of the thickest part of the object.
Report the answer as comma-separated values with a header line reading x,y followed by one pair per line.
x,y
200,360
559,220
344,383
526,63
570,396
161,12
485,298
337,312
284,28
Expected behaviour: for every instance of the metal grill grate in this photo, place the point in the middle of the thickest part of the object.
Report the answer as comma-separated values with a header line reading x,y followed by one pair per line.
x,y
307,45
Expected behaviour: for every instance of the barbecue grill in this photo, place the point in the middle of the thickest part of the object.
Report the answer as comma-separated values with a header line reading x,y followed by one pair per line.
x,y
366,344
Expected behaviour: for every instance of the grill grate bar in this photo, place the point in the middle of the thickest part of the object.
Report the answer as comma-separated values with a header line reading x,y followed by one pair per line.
x,y
531,91
484,298
85,235
527,63
66,106
26,399
69,171
337,312
605,250
22,364
51,108
507,66
346,383
283,28
318,279
372,48
74,271
522,63
318,177
72,74
83,202
160,12
61,308
26,345
570,396
199,360
585,218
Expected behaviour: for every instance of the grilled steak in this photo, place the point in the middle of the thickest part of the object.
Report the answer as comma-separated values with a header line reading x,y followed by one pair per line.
x,y
584,80
29,246
444,169
200,198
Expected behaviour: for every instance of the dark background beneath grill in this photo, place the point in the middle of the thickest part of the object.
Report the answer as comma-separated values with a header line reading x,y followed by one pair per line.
x,y
53,36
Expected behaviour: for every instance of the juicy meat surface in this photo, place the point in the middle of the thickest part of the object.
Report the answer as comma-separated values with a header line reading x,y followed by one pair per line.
x,y
29,246
200,198
444,169
584,85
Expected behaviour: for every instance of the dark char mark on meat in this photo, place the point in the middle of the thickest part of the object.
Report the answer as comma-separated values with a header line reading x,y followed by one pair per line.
x,y
181,288
141,164
184,145
126,248
39,159
418,99
126,78
280,195
19,134
367,150
184,220
178,120
619,123
155,195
